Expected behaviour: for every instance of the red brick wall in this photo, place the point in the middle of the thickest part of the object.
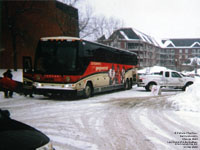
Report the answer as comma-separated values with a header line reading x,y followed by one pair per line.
x,y
32,20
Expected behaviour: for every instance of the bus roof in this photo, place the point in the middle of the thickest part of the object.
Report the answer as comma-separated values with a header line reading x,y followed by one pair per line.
x,y
68,38
59,38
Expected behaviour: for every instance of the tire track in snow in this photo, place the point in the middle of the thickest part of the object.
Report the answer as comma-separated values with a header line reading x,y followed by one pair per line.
x,y
117,124
157,121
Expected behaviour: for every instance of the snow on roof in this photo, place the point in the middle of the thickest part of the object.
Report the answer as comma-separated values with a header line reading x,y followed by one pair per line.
x,y
167,43
133,34
124,35
159,42
181,43
195,44
143,36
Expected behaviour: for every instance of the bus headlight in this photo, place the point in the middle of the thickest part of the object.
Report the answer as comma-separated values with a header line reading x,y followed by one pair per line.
x,y
36,84
68,85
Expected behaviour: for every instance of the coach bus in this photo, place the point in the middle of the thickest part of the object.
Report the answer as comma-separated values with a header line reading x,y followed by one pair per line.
x,y
71,65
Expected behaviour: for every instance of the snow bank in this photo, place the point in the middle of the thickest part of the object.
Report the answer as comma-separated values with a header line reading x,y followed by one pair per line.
x,y
191,72
188,100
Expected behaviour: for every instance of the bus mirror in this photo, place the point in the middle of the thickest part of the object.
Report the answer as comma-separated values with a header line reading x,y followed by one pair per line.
x,y
27,64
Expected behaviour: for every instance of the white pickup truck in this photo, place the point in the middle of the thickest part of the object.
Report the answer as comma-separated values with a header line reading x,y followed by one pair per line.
x,y
166,78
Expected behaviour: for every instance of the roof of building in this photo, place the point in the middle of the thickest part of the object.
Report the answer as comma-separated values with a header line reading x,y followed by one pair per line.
x,y
133,34
182,43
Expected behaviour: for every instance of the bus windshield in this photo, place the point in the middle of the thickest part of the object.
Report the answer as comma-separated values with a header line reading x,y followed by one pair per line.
x,y
56,57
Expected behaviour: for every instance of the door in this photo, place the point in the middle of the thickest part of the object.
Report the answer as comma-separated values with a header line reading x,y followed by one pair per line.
x,y
27,64
176,79
166,79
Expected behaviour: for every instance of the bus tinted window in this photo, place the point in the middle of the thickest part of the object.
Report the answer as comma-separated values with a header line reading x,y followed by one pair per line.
x,y
107,54
103,55
66,58
56,57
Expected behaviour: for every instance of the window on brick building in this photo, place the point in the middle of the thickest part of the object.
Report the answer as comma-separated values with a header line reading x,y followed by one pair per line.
x,y
133,45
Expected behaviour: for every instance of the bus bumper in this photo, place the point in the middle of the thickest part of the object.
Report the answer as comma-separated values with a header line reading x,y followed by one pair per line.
x,y
56,92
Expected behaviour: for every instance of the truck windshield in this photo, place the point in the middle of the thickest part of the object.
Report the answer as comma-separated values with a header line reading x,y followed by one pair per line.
x,y
56,57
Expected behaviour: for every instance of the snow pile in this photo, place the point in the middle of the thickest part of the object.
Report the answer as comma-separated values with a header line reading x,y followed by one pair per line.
x,y
149,70
191,72
193,61
188,100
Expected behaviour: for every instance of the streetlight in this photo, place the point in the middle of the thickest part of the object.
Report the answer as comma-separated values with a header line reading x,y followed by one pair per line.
x,y
195,64
176,63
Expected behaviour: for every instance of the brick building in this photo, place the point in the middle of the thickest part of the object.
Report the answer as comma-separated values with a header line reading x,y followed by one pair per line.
x,y
24,22
170,53
133,40
179,52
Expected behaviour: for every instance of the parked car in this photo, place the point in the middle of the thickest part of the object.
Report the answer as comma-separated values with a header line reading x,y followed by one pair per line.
x,y
17,135
167,78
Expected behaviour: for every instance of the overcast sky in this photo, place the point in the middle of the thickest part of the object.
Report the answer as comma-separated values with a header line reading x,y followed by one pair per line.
x,y
158,18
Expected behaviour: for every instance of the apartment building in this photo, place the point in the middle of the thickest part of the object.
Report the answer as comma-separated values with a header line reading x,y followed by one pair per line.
x,y
170,53
133,40
182,50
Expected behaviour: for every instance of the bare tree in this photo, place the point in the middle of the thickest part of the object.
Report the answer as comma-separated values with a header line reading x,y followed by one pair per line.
x,y
113,24
86,22
105,26
99,26
92,26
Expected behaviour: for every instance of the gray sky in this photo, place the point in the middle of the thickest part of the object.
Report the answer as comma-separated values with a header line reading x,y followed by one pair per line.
x,y
158,18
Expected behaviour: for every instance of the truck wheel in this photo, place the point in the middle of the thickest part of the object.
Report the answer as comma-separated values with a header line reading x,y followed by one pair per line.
x,y
88,90
188,84
149,86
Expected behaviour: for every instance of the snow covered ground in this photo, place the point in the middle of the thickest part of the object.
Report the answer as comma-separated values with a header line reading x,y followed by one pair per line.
x,y
123,120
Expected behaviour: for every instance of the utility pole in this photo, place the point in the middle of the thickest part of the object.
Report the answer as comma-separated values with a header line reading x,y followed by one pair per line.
x,y
139,61
196,64
1,47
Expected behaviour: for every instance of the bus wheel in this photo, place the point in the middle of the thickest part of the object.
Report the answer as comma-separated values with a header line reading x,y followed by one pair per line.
x,y
88,90
130,84
126,85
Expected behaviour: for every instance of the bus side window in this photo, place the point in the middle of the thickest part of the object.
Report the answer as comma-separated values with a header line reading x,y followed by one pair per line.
x,y
103,55
88,51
